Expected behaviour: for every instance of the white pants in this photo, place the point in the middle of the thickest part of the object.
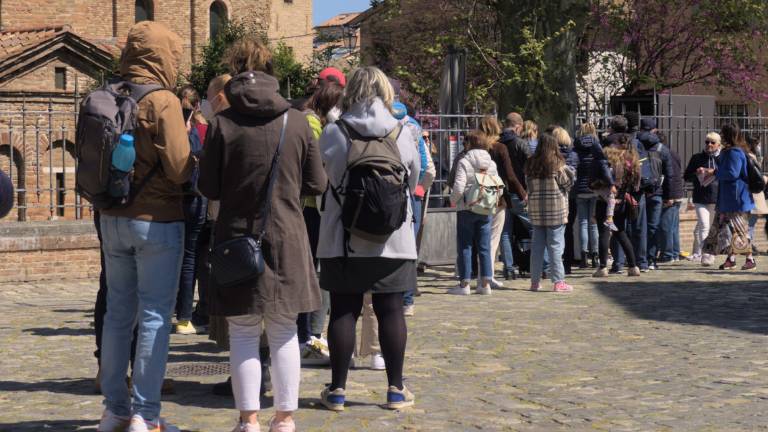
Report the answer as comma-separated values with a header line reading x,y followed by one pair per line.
x,y
705,215
497,227
245,363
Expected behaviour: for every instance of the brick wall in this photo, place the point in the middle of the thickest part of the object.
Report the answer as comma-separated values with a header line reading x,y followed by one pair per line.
x,y
43,79
48,251
291,21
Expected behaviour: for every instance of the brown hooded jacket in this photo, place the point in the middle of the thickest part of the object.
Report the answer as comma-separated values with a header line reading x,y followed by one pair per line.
x,y
151,56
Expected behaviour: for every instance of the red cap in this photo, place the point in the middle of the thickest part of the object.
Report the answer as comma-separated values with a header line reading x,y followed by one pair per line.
x,y
333,72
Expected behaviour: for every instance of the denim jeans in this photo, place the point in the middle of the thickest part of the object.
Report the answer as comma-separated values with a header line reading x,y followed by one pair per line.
x,y
505,244
669,232
653,206
752,223
417,206
588,233
195,212
143,262
471,226
549,239
637,231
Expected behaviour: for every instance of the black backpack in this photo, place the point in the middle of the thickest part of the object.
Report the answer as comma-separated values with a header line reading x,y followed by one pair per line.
x,y
374,187
656,166
105,114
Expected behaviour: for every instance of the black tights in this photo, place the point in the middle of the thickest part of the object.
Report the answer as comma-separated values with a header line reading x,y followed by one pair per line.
x,y
345,310
620,220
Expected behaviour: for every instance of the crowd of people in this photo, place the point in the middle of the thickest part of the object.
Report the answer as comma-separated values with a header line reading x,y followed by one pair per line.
x,y
250,197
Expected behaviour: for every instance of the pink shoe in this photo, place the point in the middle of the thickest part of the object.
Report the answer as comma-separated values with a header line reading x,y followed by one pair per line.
x,y
535,287
563,287
283,426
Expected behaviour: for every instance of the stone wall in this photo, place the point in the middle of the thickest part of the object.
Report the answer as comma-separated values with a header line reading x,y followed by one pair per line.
x,y
291,22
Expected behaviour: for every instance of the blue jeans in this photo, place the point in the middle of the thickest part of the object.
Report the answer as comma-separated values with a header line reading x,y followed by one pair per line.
x,y
143,261
505,244
417,206
470,226
551,238
669,232
195,212
588,233
752,223
638,234
653,207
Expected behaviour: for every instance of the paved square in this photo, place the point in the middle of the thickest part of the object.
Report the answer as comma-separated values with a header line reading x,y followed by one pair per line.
x,y
683,349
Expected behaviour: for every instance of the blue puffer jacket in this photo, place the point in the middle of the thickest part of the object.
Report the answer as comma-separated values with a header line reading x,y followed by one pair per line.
x,y
591,164
733,194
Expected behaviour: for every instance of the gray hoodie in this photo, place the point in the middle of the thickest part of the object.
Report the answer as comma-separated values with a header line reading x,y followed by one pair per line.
x,y
371,119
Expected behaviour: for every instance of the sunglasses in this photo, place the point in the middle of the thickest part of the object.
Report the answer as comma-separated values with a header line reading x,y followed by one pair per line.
x,y
709,142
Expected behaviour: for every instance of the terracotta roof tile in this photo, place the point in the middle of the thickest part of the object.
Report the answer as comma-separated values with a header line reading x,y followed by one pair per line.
x,y
340,20
14,41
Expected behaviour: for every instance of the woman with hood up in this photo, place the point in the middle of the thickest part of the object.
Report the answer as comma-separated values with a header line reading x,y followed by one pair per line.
x,y
242,147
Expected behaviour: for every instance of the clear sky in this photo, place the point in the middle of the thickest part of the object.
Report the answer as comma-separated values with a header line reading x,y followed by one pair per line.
x,y
326,9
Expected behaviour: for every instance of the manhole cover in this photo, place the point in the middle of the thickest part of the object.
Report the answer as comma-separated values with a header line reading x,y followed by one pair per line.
x,y
197,369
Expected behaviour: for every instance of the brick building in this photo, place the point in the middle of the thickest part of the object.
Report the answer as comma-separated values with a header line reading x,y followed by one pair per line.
x,y
54,51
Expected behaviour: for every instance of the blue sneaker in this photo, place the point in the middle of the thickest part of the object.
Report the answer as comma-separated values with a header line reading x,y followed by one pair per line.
x,y
333,400
399,399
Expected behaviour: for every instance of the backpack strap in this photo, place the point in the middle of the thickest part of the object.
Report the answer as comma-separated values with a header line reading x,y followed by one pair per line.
x,y
272,178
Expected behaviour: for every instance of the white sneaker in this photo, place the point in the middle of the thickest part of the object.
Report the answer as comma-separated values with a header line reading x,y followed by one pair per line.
x,y
377,362
496,284
409,310
110,422
459,290
483,290
246,427
138,424
707,260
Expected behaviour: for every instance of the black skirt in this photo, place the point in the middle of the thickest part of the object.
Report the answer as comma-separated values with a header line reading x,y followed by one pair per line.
x,y
361,275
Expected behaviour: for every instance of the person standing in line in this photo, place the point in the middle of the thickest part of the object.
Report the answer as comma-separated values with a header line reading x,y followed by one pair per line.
x,y
530,134
673,193
491,129
549,181
704,193
472,228
519,151
143,242
729,233
589,152
195,213
565,143
263,149
352,265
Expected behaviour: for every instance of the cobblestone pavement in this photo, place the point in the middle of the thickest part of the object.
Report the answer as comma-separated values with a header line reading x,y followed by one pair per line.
x,y
677,350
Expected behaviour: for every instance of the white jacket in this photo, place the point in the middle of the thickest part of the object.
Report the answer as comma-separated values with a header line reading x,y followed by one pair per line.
x,y
474,161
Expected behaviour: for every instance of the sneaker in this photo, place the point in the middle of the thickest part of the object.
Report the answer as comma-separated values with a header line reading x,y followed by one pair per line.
x,y
459,290
138,424
563,287
283,426
750,264
314,354
377,362
246,427
399,399
695,258
483,290
616,270
633,271
611,226
707,260
600,273
645,269
408,310
535,286
728,264
185,327
333,400
111,422
496,284
653,266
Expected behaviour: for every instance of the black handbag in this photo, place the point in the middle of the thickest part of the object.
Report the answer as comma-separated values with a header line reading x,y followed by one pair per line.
x,y
241,259
755,179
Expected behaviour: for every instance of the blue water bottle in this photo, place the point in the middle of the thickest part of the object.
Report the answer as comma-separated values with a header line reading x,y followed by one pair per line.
x,y
123,157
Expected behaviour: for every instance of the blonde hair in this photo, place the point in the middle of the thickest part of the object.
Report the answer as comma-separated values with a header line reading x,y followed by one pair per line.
x,y
248,54
714,136
562,137
530,129
217,84
587,129
198,118
367,83
476,140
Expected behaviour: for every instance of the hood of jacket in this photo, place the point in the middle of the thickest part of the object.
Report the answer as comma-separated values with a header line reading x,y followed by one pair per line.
x,y
478,159
648,139
370,118
507,136
256,94
152,55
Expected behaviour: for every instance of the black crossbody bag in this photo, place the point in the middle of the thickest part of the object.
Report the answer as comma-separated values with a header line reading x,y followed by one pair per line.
x,y
241,259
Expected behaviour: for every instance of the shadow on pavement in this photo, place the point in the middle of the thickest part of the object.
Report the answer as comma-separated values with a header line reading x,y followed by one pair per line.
x,y
733,305
51,425
75,386
62,331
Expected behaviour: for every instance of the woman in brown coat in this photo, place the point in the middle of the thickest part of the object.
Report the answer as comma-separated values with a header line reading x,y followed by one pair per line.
x,y
235,169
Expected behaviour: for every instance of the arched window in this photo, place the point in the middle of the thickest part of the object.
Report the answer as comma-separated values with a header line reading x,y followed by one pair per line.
x,y
144,11
217,17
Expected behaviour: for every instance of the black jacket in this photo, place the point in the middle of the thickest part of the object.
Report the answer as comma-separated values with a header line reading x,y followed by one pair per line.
x,y
701,194
651,144
591,165
674,186
519,152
